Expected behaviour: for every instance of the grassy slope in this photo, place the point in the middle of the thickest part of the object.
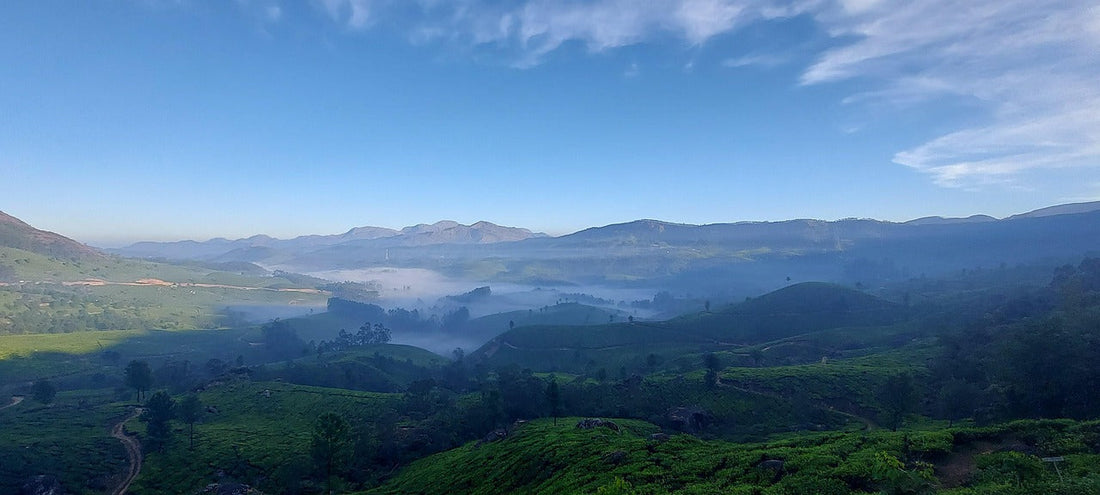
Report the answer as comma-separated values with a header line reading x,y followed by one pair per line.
x,y
64,440
540,457
179,306
797,310
251,434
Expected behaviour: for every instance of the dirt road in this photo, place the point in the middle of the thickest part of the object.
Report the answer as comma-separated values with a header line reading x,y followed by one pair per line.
x,y
15,399
133,450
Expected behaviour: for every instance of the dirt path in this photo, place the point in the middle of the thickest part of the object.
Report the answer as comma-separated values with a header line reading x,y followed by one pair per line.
x,y
15,399
133,451
154,282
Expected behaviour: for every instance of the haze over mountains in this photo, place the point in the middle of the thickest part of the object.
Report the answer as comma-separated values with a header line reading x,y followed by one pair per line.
x,y
756,256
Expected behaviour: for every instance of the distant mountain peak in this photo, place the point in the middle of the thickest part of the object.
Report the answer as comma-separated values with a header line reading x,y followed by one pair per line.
x,y
1066,209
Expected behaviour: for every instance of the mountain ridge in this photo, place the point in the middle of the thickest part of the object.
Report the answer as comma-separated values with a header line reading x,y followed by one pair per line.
x,y
17,234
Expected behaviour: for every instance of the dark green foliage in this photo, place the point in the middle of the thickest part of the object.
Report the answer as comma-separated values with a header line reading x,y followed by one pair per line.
x,y
331,444
281,341
553,398
139,376
159,410
43,391
898,398
190,410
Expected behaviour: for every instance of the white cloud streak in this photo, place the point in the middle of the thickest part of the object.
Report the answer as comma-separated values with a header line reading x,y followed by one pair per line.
x,y
1033,65
1030,65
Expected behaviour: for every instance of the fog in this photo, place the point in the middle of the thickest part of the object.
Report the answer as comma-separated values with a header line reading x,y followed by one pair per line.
x,y
427,290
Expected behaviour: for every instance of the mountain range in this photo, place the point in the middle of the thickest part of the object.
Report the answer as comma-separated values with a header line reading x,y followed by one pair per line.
x,y
753,257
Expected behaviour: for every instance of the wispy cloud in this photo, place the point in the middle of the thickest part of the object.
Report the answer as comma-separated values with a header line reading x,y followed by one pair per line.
x,y
1031,65
535,28
355,14
633,70
765,60
1028,66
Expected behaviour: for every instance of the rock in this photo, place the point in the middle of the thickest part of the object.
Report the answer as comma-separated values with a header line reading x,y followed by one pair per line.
x,y
493,436
771,464
659,437
42,484
590,423
229,489
689,419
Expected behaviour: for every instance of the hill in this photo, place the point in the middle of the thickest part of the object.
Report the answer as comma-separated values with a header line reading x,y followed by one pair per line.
x,y
14,233
543,458
795,310
261,247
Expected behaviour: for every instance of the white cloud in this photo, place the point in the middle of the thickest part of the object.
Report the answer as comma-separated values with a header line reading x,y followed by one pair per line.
x,y
1027,67
534,28
758,60
1032,65
355,14
632,71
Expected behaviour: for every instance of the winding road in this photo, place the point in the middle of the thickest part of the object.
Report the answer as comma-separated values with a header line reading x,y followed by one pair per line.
x,y
15,399
133,451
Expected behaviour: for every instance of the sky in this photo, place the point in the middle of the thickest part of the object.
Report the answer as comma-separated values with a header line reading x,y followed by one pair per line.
x,y
126,120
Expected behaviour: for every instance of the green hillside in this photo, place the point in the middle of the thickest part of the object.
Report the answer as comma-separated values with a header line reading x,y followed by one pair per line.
x,y
45,294
543,458
796,310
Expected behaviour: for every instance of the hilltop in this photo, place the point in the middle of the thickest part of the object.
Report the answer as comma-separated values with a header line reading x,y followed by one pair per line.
x,y
796,310
367,237
15,233
733,259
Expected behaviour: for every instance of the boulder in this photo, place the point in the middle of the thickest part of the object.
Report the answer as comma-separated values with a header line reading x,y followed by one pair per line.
x,y
43,484
590,423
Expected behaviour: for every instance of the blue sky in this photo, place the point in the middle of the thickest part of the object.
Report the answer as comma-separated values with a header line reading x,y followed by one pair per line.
x,y
156,119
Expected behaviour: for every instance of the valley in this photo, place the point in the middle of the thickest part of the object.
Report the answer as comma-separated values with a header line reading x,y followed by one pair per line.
x,y
901,385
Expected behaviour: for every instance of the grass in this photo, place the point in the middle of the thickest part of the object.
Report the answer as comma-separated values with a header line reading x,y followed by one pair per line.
x,y
541,458
47,301
260,428
69,439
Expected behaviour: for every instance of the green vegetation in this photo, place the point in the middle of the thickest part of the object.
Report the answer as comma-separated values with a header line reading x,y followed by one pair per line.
x,y
44,294
539,457
798,391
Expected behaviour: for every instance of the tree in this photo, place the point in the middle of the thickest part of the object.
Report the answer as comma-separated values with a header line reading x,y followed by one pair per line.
x,y
159,410
553,397
898,398
757,356
139,376
713,365
190,411
331,444
43,391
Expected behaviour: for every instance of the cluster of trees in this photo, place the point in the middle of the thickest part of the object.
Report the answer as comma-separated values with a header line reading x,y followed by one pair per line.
x,y
43,310
400,319
161,409
367,335
1028,358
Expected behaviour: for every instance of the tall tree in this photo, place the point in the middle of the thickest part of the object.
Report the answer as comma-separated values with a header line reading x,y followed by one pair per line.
x,y
139,376
898,399
553,397
190,411
159,410
331,444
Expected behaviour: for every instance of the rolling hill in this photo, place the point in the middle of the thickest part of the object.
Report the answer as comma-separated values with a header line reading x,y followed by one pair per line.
x,y
14,233
795,310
